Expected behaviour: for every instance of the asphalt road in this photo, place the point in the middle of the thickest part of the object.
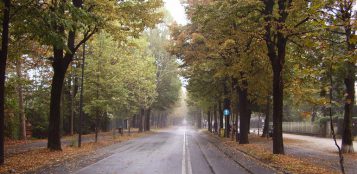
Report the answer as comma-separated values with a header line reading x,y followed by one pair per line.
x,y
175,151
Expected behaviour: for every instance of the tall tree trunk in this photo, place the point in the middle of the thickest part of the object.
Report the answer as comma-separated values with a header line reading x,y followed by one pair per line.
x,y
228,127
59,68
199,119
278,146
227,104
237,122
141,119
97,125
276,54
129,125
73,93
209,121
3,58
145,126
350,77
266,121
71,108
215,124
133,120
67,93
147,119
164,120
21,100
244,115
62,106
153,117
159,120
81,112
220,110
60,65
235,110
71,123
347,137
97,114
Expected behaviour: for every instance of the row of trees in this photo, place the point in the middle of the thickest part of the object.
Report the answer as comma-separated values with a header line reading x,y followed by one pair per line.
x,y
127,69
238,56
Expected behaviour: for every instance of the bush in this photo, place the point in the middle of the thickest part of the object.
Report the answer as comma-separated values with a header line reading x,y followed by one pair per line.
x,y
39,123
324,120
12,126
39,131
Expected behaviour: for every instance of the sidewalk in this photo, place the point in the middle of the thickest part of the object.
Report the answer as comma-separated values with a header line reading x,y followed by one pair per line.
x,y
318,143
320,150
318,155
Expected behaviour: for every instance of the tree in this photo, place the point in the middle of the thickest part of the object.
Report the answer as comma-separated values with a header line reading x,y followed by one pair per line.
x,y
168,84
282,23
62,32
6,4
220,36
104,90
339,18
118,77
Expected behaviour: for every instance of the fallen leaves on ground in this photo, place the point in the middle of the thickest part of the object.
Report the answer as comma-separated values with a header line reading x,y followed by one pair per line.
x,y
258,150
34,159
10,142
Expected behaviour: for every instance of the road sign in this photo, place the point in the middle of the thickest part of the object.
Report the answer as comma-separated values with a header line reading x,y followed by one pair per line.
x,y
226,112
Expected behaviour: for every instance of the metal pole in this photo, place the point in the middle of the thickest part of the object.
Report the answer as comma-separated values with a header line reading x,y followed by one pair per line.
x,y
81,100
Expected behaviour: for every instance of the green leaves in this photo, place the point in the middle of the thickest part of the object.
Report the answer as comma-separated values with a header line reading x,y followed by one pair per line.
x,y
119,78
168,84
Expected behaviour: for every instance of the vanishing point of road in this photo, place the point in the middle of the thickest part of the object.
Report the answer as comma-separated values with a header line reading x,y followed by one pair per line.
x,y
180,150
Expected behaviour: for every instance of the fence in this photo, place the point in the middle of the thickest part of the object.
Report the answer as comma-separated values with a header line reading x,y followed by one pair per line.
x,y
302,128
308,128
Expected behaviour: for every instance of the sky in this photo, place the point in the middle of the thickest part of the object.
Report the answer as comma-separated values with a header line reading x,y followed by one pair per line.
x,y
176,10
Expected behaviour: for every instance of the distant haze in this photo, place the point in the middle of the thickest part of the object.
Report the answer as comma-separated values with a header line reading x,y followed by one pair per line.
x,y
181,109
176,10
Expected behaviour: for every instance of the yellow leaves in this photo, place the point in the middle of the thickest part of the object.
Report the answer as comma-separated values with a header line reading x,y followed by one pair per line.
x,y
309,43
305,115
353,39
260,149
198,38
34,159
348,101
229,43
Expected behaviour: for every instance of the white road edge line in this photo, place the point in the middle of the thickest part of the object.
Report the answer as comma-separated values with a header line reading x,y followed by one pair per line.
x,y
188,158
184,154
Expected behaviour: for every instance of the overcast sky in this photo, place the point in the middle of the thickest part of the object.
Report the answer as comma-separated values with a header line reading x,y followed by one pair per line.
x,y
176,10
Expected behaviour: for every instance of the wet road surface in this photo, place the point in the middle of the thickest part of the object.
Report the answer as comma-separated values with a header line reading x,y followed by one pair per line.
x,y
175,151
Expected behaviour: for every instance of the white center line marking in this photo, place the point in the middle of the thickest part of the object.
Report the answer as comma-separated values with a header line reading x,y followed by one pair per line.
x,y
184,153
188,158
